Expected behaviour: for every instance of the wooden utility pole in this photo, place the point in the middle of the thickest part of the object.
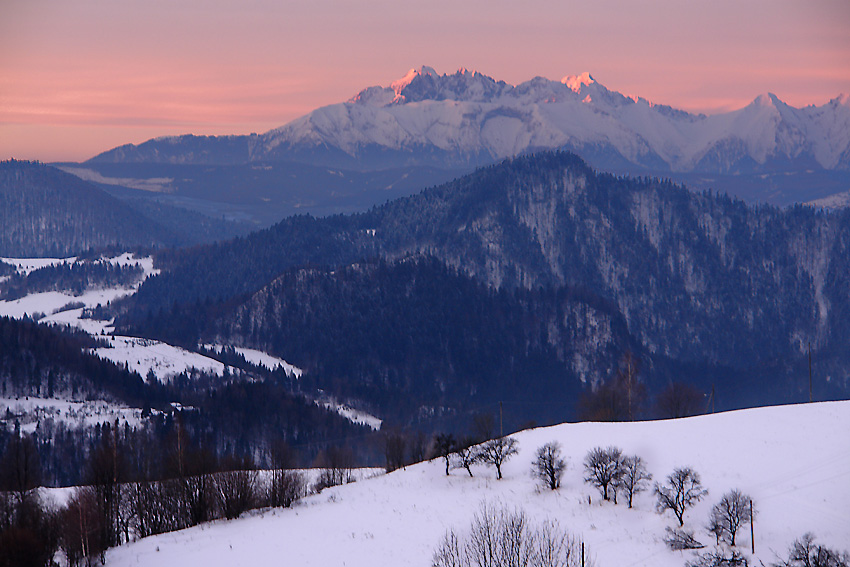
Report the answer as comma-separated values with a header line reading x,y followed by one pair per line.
x,y
501,427
810,372
752,529
582,554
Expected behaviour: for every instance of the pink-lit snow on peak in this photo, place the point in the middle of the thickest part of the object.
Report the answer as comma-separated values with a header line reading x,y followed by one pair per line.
x,y
767,99
575,82
399,84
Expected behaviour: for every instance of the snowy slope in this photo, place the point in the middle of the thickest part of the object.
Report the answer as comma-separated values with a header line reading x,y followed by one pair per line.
x,y
794,461
469,116
30,412
144,356
260,358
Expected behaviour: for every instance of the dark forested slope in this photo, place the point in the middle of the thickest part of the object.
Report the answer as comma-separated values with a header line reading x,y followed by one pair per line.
x,y
699,279
47,212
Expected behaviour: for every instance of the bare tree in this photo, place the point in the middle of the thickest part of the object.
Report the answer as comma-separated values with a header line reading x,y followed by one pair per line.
x,y
417,447
679,400
106,470
20,469
634,478
483,425
444,446
682,490
806,553
81,529
628,382
678,540
336,464
506,538
395,447
548,466
466,454
603,468
236,489
286,485
618,399
732,512
291,486
155,507
718,558
496,451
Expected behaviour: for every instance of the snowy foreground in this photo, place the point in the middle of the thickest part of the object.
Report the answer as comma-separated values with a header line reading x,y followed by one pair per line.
x,y
793,460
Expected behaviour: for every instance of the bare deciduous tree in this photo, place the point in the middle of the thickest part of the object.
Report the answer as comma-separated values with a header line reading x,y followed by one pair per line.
x,y
417,447
682,490
444,446
603,467
548,466
806,553
634,477
618,399
466,454
496,451
718,558
732,512
395,447
506,538
678,540
236,491
679,400
336,464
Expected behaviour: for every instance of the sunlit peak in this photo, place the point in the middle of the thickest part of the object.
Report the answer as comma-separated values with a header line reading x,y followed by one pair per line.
x,y
399,84
575,82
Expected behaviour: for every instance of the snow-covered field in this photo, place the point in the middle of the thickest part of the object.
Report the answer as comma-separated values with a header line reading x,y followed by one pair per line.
x,y
260,358
141,355
794,461
351,414
49,302
164,360
30,411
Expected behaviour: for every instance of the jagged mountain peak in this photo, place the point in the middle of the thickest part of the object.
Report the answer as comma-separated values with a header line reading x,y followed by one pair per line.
x,y
768,99
468,118
575,82
400,84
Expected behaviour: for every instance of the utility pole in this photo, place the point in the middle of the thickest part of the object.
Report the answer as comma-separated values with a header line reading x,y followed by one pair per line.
x,y
810,372
752,529
501,427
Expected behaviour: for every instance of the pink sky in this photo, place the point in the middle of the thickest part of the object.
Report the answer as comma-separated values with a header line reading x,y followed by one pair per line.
x,y
77,78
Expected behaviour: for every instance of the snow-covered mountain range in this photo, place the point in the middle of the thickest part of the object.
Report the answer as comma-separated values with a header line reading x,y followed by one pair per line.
x,y
469,119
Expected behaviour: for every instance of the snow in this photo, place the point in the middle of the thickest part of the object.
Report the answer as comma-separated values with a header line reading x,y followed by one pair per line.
x,y
30,411
260,358
353,415
141,355
49,302
164,360
575,82
574,111
794,461
398,85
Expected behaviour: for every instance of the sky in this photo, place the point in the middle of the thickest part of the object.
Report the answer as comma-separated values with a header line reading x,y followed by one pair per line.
x,y
80,77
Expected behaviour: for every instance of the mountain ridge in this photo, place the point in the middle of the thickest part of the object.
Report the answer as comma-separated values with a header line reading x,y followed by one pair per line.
x,y
468,118
705,284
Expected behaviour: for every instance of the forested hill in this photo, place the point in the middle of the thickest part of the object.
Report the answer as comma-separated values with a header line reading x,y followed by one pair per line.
x,y
47,212
696,276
